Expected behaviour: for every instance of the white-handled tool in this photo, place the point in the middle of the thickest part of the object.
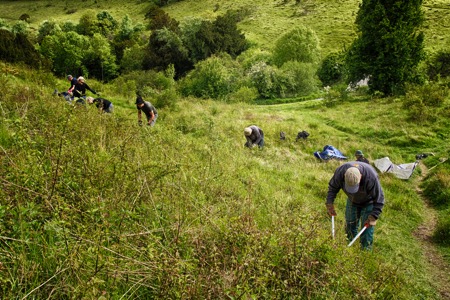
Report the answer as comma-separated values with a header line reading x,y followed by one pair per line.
x,y
359,233
332,226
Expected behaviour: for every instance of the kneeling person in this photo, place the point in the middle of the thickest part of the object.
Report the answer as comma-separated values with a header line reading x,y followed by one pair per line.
x,y
254,136
102,104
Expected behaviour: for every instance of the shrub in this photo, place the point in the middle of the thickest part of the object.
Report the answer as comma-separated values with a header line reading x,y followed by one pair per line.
x,y
264,78
214,78
299,79
437,188
243,95
300,44
439,65
332,69
441,234
424,102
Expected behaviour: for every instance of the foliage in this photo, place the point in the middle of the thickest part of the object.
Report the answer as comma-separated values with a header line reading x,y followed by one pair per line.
x,y
244,94
214,78
165,48
20,27
389,46
95,206
99,59
88,24
332,69
222,35
252,56
298,79
66,50
106,23
46,28
17,48
301,44
264,78
438,66
132,59
159,19
426,102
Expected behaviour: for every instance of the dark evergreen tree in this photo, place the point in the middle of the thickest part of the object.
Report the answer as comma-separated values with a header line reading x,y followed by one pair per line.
x,y
17,48
389,45
165,48
222,35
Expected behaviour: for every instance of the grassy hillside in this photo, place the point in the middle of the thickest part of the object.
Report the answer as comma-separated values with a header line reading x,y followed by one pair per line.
x,y
95,206
333,20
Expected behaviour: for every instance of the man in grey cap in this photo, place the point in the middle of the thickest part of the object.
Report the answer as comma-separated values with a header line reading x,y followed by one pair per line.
x,y
365,198
360,156
254,136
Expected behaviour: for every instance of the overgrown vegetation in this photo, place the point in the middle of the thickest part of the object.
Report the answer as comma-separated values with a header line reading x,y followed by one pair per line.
x,y
182,210
94,206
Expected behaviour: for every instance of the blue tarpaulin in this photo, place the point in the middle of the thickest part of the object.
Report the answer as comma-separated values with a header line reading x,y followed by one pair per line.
x,y
329,152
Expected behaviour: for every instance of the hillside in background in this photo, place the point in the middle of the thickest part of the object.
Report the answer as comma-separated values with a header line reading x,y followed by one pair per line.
x,y
332,20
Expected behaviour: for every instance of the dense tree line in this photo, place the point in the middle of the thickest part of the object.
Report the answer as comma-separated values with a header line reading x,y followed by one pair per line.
x,y
388,50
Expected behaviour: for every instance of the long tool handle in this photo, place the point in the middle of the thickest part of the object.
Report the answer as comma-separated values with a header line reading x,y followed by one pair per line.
x,y
332,226
357,236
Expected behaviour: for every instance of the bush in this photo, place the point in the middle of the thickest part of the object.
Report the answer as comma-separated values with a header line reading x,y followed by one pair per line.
x,y
244,95
437,188
439,65
300,44
441,234
298,79
264,78
213,78
332,69
424,102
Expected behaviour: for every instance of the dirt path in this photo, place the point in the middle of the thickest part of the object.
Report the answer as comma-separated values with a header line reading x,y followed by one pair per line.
x,y
437,266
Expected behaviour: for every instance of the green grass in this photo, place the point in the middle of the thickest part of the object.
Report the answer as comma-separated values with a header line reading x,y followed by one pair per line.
x,y
95,205
333,21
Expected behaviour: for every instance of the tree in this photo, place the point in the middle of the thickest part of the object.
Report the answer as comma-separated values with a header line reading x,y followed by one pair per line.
x,y
17,48
66,50
389,45
301,44
164,49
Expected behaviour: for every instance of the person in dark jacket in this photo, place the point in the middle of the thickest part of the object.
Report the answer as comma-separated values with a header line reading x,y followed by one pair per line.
x,y
365,198
80,88
148,109
73,82
102,104
254,136
360,157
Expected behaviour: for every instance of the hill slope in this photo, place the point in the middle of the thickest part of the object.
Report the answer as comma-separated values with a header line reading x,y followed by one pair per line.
x,y
332,20
94,205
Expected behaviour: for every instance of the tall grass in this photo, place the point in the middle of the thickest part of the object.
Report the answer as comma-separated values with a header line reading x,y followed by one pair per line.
x,y
95,206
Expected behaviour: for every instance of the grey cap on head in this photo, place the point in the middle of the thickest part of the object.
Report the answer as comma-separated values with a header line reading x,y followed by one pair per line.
x,y
69,76
352,179
358,152
247,131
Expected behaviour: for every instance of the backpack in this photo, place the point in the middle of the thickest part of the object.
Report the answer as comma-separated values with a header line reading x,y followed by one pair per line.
x,y
302,135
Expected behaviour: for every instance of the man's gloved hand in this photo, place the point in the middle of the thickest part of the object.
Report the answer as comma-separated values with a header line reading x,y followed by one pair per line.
x,y
330,209
371,221
140,122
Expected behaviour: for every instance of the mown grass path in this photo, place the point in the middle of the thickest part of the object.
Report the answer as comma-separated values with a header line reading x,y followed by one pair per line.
x,y
437,267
